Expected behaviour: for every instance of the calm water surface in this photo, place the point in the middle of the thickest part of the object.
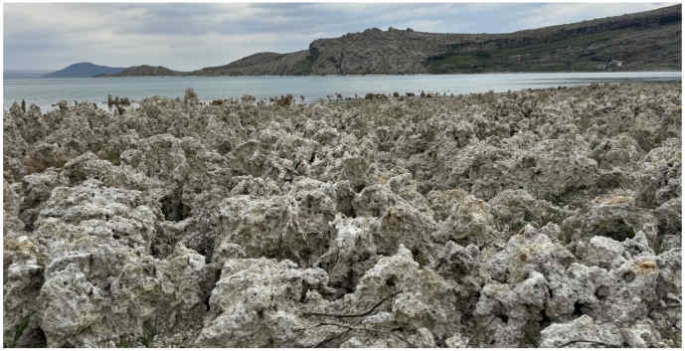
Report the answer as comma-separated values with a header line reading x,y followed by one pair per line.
x,y
45,92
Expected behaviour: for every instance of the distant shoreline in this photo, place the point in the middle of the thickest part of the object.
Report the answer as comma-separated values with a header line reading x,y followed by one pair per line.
x,y
358,75
336,96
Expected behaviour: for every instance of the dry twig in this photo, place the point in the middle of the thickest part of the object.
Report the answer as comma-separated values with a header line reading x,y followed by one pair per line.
x,y
352,315
349,328
589,341
480,331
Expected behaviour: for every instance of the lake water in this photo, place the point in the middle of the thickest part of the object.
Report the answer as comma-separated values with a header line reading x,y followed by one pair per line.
x,y
45,92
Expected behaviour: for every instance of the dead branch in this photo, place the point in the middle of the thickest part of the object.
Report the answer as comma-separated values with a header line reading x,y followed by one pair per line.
x,y
372,330
588,341
480,331
331,338
352,315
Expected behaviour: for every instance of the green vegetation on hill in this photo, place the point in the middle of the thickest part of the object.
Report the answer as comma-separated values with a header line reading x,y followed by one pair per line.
x,y
144,70
635,47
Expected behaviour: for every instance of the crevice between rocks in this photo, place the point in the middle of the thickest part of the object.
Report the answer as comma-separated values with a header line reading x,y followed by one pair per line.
x,y
173,207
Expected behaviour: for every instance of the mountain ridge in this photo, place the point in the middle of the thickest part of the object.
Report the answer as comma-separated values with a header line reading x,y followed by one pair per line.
x,y
144,70
649,40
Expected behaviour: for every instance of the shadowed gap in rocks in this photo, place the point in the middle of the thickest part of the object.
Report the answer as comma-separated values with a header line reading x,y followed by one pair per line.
x,y
173,208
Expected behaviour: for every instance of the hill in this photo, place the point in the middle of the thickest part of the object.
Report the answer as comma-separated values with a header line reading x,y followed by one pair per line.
x,y
83,69
144,70
265,63
642,41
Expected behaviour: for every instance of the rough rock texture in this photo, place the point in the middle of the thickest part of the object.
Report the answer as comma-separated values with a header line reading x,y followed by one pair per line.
x,y
534,218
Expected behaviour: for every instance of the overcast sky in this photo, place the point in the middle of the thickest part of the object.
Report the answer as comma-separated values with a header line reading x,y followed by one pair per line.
x,y
191,36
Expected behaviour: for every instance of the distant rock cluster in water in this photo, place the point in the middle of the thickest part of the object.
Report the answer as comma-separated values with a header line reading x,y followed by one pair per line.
x,y
545,218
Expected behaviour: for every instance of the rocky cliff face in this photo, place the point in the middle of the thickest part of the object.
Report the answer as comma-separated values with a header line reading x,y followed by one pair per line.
x,y
377,52
534,218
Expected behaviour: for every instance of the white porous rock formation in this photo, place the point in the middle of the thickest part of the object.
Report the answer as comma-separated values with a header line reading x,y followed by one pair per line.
x,y
538,218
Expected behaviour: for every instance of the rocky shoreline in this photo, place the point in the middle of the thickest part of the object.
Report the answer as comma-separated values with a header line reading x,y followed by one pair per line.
x,y
542,218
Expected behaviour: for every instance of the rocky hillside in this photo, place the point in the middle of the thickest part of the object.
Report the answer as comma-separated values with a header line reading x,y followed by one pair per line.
x,y
644,41
543,218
